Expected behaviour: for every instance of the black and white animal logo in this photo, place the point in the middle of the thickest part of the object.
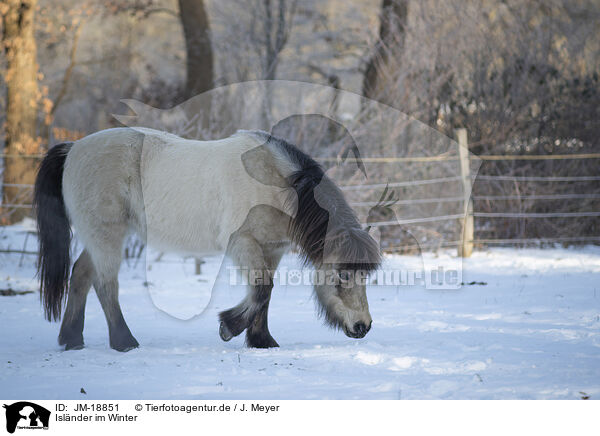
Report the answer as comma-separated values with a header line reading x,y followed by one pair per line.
x,y
26,415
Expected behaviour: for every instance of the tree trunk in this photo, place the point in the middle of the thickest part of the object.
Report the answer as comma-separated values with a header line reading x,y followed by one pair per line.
x,y
276,33
393,20
196,31
21,105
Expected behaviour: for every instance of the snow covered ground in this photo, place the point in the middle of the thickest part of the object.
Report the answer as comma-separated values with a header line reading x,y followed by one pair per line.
x,y
530,329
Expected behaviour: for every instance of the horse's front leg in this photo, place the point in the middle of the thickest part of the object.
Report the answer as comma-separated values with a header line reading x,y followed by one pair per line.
x,y
251,312
257,334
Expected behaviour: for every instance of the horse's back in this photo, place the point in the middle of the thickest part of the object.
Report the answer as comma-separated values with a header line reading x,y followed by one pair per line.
x,y
181,195
197,193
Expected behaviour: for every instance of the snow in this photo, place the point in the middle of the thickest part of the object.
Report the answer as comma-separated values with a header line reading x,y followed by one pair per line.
x,y
532,331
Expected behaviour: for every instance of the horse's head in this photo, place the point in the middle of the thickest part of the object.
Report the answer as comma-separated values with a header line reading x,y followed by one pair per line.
x,y
352,255
343,301
341,282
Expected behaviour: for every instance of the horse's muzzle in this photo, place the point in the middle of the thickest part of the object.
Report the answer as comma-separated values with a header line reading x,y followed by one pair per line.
x,y
359,330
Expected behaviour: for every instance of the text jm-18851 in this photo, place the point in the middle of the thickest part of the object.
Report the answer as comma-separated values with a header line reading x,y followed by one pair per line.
x,y
97,407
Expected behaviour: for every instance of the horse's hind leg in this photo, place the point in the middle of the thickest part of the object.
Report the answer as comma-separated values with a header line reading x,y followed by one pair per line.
x,y
107,289
106,256
257,334
71,330
106,283
246,252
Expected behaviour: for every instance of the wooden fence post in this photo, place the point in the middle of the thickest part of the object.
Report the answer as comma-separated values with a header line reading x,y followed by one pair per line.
x,y
468,226
198,266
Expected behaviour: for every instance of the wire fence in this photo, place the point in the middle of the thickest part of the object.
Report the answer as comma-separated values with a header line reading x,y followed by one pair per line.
x,y
484,242
586,209
449,157
443,199
450,199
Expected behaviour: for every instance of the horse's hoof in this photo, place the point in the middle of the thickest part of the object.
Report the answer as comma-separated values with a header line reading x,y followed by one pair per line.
x,y
233,322
126,349
260,341
125,345
71,342
224,332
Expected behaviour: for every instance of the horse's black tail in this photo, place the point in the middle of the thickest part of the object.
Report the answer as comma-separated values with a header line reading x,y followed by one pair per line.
x,y
54,231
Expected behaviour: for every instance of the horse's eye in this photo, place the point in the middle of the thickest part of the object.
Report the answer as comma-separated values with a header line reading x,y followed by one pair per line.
x,y
344,276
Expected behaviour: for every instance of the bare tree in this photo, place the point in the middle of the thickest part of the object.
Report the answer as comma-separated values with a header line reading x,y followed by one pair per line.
x,y
255,44
392,30
199,63
275,33
23,95
271,38
522,77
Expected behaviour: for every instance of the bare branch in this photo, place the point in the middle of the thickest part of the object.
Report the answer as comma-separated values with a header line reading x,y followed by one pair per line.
x,y
69,71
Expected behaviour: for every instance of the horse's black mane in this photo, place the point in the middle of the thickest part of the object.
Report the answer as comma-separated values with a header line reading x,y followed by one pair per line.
x,y
324,225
